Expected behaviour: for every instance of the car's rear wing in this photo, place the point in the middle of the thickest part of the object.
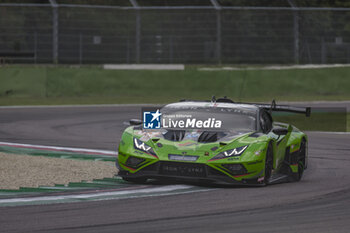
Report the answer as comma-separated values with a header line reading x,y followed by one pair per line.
x,y
273,107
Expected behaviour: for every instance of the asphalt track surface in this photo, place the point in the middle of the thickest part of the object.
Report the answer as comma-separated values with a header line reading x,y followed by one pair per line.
x,y
318,203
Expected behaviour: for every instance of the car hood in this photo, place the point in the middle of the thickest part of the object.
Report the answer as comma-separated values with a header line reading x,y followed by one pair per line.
x,y
191,142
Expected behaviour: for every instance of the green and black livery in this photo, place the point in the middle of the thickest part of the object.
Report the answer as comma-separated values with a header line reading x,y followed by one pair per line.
x,y
265,153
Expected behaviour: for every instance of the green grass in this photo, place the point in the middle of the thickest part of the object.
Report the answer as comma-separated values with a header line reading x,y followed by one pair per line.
x,y
318,121
33,85
51,85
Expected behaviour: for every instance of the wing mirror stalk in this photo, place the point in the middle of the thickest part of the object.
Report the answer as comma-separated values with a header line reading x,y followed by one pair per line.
x,y
135,122
280,131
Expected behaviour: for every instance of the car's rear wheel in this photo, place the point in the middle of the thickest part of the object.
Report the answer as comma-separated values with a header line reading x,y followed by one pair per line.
x,y
138,180
268,164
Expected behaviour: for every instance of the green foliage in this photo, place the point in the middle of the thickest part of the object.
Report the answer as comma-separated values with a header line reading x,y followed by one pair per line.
x,y
64,85
318,121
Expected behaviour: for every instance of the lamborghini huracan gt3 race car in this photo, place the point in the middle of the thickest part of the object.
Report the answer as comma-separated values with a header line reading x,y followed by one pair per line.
x,y
216,141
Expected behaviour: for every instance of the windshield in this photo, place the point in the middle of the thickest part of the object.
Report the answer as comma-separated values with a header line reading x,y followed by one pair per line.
x,y
209,118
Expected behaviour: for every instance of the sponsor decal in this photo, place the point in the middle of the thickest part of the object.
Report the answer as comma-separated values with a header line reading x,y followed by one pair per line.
x,y
183,158
261,179
152,120
147,135
210,123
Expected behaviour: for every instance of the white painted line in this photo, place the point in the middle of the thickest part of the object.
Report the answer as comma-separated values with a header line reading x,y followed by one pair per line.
x,y
144,66
56,148
96,195
60,188
276,67
326,132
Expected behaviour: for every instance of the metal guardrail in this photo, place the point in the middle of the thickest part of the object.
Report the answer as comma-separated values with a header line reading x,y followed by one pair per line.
x,y
86,34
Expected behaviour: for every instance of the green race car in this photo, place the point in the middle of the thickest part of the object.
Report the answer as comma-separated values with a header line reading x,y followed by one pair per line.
x,y
216,141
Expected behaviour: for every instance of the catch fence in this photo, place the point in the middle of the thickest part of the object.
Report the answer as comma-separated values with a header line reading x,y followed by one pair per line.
x,y
84,34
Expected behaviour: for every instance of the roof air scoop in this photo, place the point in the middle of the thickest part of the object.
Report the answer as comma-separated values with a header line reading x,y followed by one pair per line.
x,y
224,100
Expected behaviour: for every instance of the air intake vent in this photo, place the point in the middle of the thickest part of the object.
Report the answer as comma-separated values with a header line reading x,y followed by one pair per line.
x,y
210,136
174,135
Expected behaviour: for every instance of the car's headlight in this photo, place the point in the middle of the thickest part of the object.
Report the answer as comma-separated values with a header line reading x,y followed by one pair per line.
x,y
230,153
140,145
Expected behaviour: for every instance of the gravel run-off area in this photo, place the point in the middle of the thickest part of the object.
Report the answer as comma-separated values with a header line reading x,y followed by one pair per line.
x,y
32,171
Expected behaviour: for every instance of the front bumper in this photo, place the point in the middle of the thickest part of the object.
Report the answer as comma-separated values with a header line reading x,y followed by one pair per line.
x,y
187,172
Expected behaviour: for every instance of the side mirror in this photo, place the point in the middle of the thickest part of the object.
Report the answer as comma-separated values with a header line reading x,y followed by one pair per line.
x,y
135,122
280,131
